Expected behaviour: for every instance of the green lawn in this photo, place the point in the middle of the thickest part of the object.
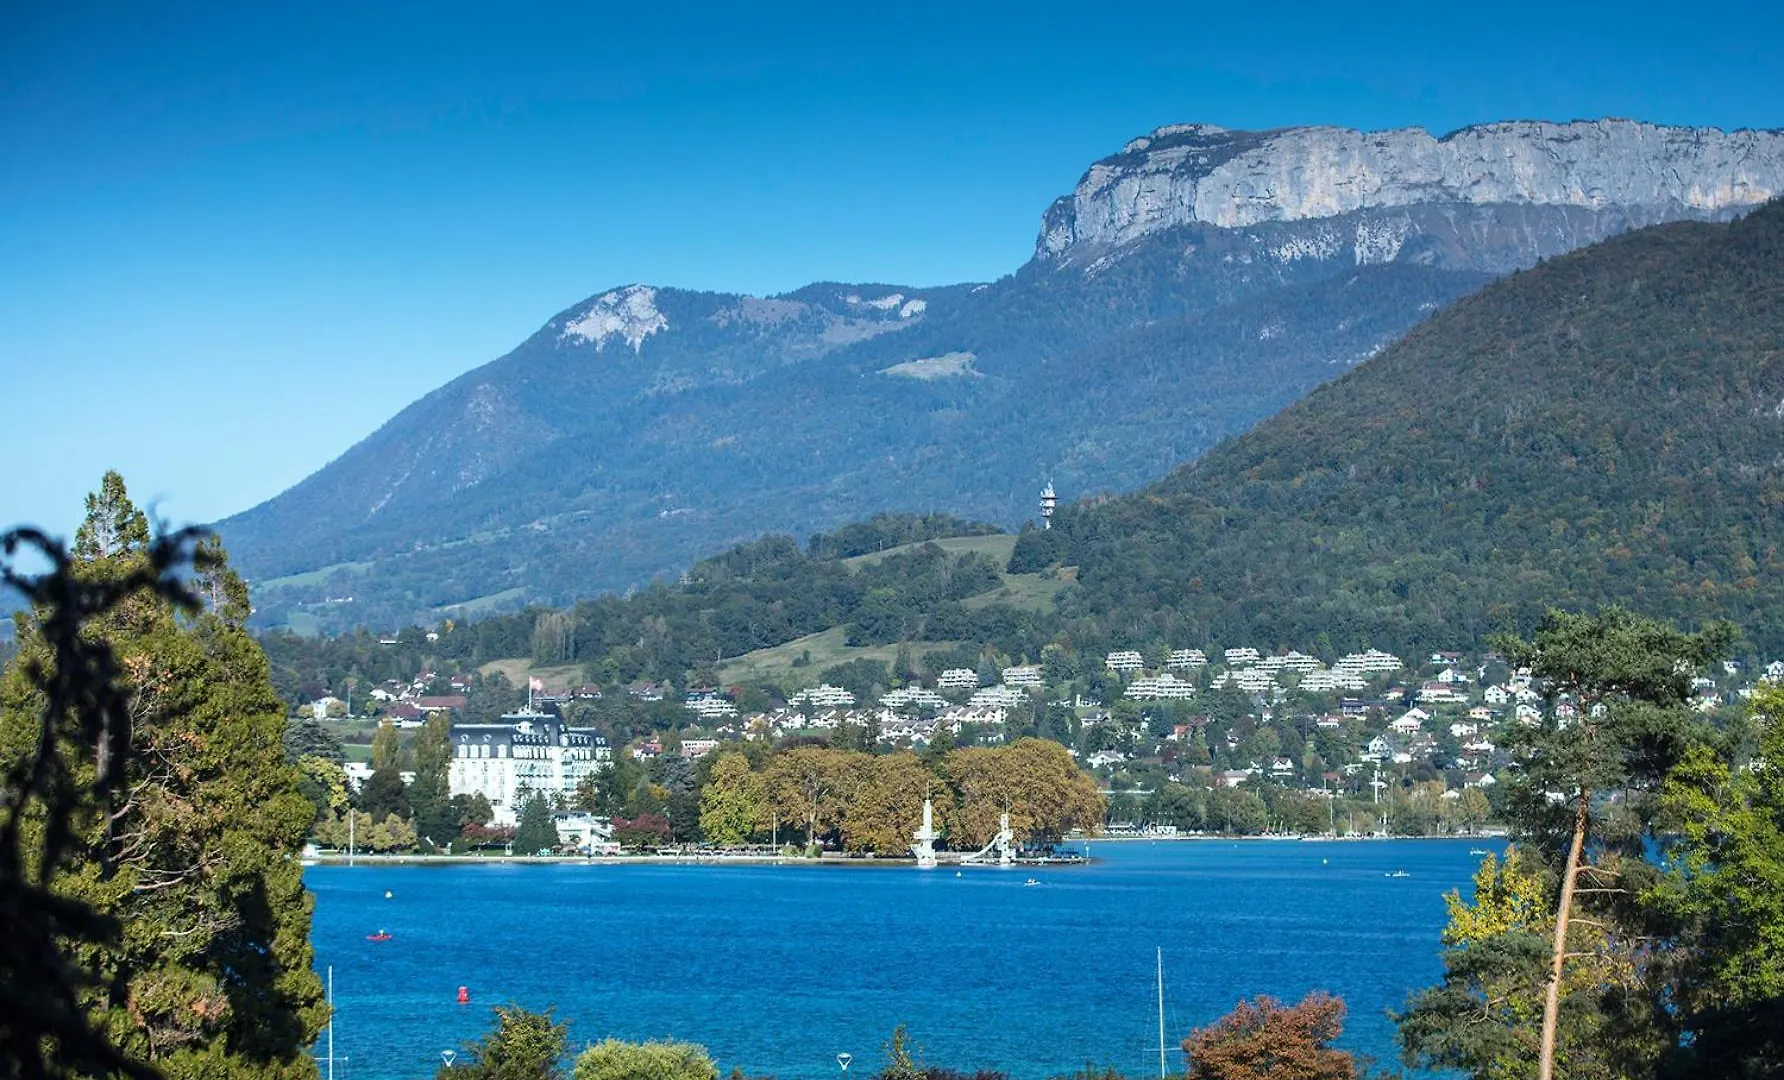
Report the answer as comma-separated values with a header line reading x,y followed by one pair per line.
x,y
1034,592
517,670
998,546
303,624
827,649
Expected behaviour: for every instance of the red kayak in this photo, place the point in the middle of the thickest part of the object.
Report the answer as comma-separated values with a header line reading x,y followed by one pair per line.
x,y
379,936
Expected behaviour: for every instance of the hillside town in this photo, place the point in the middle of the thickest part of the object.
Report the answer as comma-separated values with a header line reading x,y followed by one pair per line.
x,y
1369,728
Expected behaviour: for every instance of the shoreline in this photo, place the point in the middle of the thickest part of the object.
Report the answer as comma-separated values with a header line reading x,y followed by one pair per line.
x,y
411,859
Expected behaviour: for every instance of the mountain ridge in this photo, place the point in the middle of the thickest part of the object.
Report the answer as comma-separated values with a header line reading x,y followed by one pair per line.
x,y
645,426
1607,427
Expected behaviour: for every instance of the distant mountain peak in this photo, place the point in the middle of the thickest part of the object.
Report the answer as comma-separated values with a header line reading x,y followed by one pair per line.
x,y
1606,175
628,313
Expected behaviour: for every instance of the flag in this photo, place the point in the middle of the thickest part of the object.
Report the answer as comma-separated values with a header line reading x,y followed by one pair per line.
x,y
534,682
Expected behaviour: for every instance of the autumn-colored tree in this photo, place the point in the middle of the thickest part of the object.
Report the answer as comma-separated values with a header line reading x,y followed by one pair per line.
x,y
811,784
887,806
1036,780
1266,1039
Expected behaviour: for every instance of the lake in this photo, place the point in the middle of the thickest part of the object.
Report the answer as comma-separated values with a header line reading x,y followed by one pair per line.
x,y
777,969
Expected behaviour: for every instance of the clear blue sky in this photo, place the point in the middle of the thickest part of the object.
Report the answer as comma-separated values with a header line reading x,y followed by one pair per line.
x,y
235,238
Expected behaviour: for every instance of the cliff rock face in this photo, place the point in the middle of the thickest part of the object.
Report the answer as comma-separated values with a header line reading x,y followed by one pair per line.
x,y
1492,197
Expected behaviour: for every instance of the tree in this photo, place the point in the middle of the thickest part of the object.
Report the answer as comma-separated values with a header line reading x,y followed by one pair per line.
x,y
324,784
1725,897
731,804
1035,780
1266,1039
391,834
305,736
430,794
1485,1017
524,1046
387,747
612,1059
809,784
189,840
383,794
535,833
81,714
886,806
1627,679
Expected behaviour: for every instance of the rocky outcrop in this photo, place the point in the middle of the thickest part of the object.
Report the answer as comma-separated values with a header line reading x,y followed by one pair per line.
x,y
1490,197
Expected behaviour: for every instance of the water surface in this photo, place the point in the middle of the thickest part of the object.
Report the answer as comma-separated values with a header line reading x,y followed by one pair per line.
x,y
776,969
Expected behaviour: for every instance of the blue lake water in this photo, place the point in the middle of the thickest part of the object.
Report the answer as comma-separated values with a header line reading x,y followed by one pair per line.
x,y
777,969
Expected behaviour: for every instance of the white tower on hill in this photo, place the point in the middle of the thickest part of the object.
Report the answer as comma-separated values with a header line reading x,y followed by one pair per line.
x,y
1048,502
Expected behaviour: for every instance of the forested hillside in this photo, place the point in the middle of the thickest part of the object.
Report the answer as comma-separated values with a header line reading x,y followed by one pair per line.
x,y
1608,426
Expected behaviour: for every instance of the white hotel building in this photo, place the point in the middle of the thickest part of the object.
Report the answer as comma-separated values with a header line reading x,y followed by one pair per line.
x,y
527,752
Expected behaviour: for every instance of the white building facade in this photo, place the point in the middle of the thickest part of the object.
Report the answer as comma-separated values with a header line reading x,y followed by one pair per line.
x,y
526,752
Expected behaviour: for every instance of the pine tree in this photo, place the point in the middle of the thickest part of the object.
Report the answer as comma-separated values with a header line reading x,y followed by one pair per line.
x,y
195,855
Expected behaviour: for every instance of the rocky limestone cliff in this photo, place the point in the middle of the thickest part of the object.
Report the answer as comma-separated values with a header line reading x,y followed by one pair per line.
x,y
1492,197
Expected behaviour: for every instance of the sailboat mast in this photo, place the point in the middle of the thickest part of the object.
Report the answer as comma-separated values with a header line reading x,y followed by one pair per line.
x,y
331,1022
1161,1013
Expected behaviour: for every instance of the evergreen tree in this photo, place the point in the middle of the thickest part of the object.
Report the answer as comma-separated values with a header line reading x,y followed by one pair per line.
x,y
383,794
524,1046
194,855
430,796
536,832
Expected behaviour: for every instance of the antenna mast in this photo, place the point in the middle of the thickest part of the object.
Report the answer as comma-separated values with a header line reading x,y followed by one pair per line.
x,y
1161,1013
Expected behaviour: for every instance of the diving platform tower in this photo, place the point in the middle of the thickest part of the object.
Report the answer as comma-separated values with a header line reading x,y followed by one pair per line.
x,y
924,848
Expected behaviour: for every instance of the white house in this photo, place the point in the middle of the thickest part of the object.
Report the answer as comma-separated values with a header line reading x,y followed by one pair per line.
x,y
585,832
1124,660
1022,676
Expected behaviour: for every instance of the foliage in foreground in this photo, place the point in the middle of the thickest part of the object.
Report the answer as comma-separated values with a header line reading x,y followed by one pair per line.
x,y
156,920
1265,1038
1635,928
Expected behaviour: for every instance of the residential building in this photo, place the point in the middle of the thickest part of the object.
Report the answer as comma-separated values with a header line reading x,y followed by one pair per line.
x,y
1022,676
1124,660
1155,687
1188,658
824,697
959,678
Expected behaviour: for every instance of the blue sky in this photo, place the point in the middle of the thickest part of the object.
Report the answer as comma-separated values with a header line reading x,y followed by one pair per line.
x,y
236,238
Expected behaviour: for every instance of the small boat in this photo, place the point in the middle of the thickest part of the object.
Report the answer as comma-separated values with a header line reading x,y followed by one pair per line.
x,y
1479,851
382,935
1030,881
1396,873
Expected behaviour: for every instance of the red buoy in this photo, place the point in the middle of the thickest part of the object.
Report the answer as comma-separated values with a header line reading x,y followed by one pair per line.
x,y
464,995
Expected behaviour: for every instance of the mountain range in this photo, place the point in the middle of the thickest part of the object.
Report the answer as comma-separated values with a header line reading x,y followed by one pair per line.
x,y
1191,285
